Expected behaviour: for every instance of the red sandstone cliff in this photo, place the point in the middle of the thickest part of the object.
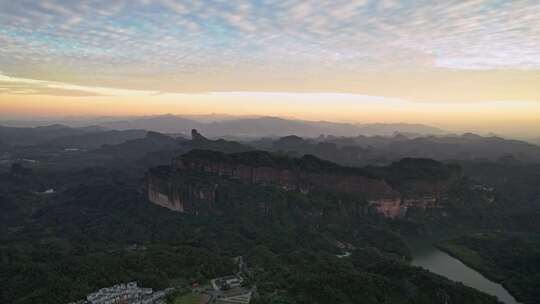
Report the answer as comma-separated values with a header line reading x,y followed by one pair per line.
x,y
291,179
177,195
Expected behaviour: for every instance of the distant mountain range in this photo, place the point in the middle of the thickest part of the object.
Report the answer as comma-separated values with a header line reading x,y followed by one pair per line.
x,y
362,150
67,137
221,126
94,140
137,148
155,143
350,144
31,136
264,127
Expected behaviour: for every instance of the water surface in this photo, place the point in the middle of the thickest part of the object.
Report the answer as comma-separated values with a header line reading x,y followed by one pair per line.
x,y
427,256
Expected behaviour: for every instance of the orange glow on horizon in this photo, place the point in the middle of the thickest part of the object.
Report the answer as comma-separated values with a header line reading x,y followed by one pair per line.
x,y
506,117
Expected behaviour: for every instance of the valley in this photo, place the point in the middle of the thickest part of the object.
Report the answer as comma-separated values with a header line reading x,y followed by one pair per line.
x,y
130,211
269,152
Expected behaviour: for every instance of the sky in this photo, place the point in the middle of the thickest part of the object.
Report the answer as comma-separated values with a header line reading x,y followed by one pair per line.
x,y
461,65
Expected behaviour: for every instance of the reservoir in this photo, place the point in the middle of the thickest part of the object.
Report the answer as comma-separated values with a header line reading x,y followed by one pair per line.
x,y
428,257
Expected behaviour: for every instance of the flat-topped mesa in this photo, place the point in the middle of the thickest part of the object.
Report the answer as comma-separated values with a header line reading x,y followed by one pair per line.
x,y
304,174
391,191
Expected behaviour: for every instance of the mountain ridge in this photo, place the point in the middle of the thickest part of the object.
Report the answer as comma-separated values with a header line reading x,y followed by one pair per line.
x,y
239,126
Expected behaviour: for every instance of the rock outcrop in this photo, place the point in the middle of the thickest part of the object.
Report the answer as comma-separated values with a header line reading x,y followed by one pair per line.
x,y
307,174
167,188
195,135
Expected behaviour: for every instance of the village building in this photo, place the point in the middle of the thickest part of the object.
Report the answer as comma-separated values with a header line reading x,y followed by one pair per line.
x,y
129,293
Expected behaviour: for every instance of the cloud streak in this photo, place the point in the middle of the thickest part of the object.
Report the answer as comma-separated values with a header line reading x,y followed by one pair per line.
x,y
149,42
25,86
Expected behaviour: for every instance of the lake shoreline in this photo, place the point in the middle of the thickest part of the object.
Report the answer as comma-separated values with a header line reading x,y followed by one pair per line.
x,y
487,275
426,253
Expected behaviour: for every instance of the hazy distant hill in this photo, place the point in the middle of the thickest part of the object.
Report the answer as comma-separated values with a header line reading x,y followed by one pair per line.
x,y
139,147
264,127
37,135
466,146
362,150
344,143
162,124
91,137
4,146
157,142
95,140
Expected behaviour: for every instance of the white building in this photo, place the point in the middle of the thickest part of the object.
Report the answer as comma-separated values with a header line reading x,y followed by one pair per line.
x,y
128,293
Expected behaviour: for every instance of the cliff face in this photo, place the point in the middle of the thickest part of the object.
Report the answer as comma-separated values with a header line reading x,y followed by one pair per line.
x,y
161,193
292,179
166,189
172,191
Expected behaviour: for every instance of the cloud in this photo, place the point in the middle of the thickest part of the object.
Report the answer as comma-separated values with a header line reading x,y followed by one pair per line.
x,y
16,85
132,40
